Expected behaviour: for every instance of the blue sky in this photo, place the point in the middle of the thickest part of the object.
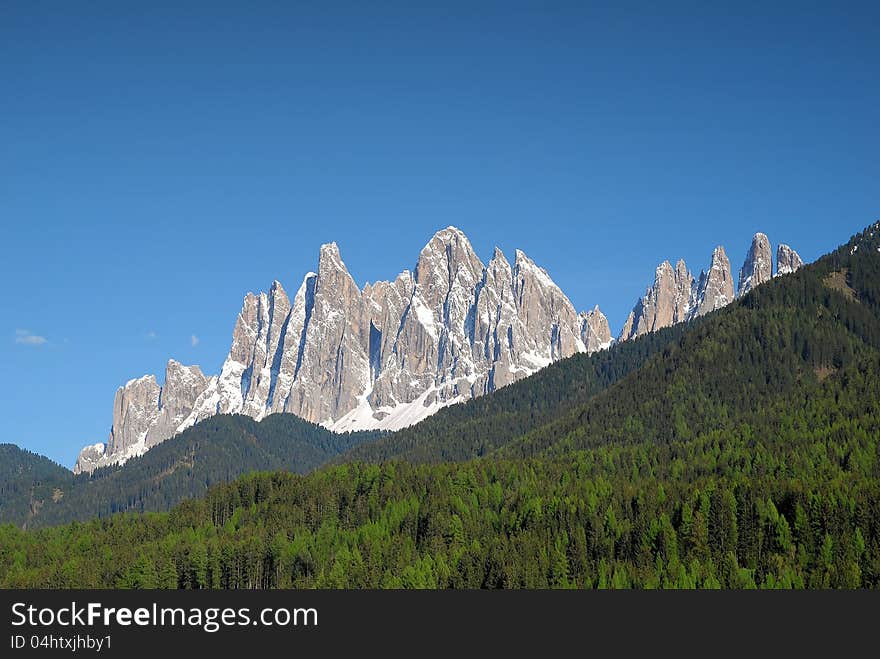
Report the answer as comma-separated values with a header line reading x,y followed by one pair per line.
x,y
156,163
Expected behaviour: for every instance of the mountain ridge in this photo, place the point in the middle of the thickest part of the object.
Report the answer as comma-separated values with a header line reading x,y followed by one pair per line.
x,y
379,357
390,354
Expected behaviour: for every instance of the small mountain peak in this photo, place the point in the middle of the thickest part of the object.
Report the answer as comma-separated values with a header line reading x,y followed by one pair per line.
x,y
144,379
330,259
498,258
448,254
447,236
758,266
278,296
174,365
715,287
787,260
595,333
330,250
665,268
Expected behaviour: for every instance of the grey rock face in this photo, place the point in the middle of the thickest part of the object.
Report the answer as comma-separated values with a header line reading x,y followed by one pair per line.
x,y
385,356
758,266
333,367
595,330
676,297
135,410
90,458
787,260
667,302
549,319
145,414
714,289
183,385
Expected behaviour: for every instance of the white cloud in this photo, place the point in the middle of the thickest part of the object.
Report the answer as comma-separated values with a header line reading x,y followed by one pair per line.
x,y
27,338
194,340
152,335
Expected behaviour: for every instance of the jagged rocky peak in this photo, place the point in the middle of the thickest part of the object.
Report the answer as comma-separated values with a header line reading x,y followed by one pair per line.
x,y
666,302
145,414
89,458
758,266
715,287
447,269
787,260
384,356
135,408
595,330
545,312
182,387
676,297
332,362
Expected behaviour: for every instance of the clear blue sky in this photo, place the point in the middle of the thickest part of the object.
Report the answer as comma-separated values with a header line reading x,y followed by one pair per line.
x,y
156,163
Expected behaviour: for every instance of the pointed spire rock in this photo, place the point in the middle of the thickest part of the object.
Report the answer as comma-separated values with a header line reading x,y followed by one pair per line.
x,y
715,287
329,260
787,260
595,330
447,260
182,387
547,315
332,366
135,409
666,302
758,266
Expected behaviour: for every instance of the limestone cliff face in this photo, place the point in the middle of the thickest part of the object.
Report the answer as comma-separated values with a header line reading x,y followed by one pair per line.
x,y
135,411
384,356
676,297
715,288
393,352
667,302
183,386
145,414
787,260
758,266
595,330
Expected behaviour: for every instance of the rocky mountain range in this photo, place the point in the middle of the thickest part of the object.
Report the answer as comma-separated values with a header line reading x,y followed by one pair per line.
x,y
379,357
676,296
391,353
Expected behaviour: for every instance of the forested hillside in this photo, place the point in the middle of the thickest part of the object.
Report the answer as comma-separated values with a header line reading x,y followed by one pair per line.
x,y
27,481
481,425
215,451
745,454
765,352
791,500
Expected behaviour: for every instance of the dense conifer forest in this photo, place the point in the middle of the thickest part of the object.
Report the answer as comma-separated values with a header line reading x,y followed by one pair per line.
x,y
34,491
